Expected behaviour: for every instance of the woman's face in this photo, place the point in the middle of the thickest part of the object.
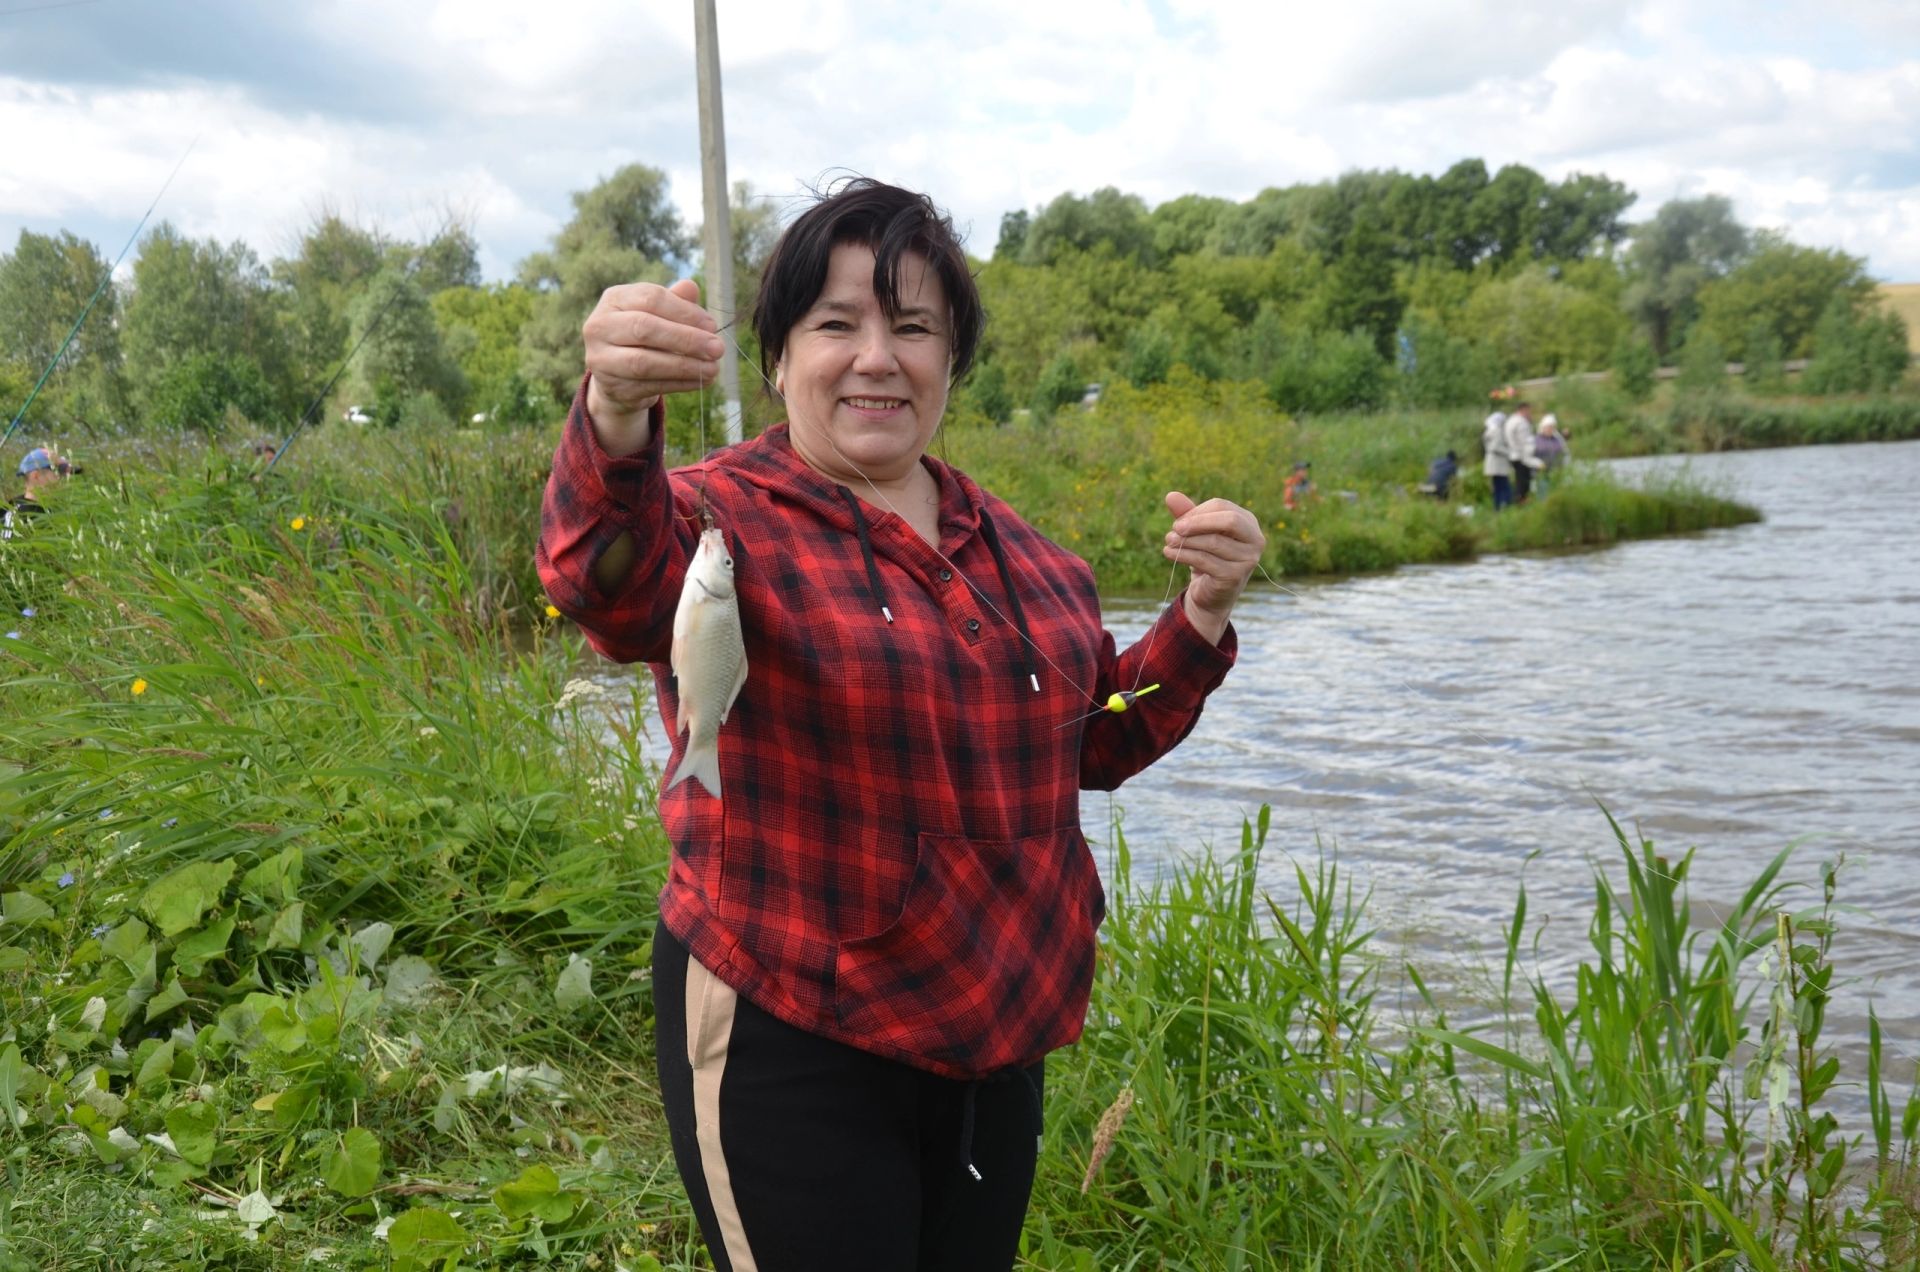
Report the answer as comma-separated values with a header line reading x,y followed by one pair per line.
x,y
865,392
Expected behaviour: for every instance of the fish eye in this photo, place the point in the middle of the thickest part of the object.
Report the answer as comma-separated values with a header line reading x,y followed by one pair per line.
x,y
729,561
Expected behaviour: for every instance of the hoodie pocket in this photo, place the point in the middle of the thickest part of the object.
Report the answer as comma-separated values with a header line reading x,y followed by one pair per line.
x,y
991,959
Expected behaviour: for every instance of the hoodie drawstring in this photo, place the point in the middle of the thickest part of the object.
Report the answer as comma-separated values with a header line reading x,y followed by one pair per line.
x,y
866,552
967,1111
987,532
992,537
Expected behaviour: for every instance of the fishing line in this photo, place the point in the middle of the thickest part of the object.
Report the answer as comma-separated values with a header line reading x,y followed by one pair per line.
x,y
97,292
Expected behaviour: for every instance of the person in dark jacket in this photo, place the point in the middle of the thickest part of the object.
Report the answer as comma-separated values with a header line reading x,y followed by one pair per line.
x,y
870,942
1440,475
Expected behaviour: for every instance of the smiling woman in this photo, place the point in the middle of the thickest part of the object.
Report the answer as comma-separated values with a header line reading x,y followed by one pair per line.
x,y
868,947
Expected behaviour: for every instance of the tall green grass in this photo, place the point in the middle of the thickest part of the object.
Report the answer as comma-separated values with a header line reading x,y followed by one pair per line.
x,y
328,900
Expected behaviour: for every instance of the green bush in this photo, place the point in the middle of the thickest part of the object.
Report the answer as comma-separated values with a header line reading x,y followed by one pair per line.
x,y
1855,352
1328,371
1634,367
197,393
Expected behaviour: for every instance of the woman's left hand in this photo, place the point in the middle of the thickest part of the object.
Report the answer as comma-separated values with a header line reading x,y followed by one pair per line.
x,y
1221,543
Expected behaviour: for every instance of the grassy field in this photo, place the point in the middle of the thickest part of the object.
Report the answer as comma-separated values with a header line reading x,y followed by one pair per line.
x,y
1904,299
326,908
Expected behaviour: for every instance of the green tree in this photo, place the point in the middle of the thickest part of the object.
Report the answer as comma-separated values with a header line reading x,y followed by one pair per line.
x,y
400,352
1634,366
1785,288
452,259
45,284
194,296
624,230
1535,324
1703,364
986,390
333,263
1013,234
197,392
1857,349
1765,370
1328,371
1687,244
1440,369
1186,225
1360,292
480,331
1061,384
1072,223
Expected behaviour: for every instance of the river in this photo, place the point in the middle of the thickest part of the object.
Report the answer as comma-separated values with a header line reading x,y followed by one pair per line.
x,y
1445,729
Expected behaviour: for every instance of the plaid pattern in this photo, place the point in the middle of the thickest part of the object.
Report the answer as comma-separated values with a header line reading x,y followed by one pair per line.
x,y
898,863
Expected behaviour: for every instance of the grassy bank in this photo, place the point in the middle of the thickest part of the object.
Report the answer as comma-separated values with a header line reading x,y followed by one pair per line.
x,y
326,915
1093,481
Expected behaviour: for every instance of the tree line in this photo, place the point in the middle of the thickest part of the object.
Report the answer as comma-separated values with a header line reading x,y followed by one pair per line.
x,y
1378,287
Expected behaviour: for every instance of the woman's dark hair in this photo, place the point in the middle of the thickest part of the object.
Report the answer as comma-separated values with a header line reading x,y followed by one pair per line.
x,y
888,221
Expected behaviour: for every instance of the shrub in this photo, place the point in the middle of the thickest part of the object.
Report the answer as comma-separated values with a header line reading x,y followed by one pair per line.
x,y
196,393
1634,365
1329,371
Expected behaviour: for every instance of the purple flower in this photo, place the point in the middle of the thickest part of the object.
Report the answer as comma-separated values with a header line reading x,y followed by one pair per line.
x,y
66,880
29,612
105,813
102,930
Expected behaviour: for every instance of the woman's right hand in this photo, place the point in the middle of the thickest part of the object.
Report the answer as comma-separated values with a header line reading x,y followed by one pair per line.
x,y
642,341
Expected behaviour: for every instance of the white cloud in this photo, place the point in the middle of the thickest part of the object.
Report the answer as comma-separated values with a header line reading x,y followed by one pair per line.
x,y
501,109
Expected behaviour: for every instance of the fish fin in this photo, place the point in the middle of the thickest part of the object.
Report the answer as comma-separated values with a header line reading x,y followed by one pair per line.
x,y
739,682
702,762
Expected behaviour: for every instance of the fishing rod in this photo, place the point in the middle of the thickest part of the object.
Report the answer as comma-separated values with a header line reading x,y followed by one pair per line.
x,y
97,293
307,416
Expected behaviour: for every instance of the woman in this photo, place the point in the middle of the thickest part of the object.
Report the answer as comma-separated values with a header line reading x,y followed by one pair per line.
x,y
869,943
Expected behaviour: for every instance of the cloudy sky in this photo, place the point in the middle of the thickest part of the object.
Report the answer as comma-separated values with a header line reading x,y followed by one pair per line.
x,y
395,111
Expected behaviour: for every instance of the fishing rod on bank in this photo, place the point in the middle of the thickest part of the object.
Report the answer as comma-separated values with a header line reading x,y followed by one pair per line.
x,y
307,416
99,291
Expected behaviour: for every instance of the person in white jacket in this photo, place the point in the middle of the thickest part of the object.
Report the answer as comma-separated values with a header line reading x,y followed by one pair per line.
x,y
1520,455
1496,466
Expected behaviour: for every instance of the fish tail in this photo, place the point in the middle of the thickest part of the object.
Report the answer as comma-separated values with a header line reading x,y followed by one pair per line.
x,y
701,760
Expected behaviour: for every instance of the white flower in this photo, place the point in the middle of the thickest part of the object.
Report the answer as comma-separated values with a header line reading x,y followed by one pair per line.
x,y
428,731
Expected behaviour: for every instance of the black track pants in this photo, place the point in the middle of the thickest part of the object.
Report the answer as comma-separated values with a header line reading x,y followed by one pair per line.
x,y
800,1153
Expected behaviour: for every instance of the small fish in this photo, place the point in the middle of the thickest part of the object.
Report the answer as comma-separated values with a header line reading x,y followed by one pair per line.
x,y
709,659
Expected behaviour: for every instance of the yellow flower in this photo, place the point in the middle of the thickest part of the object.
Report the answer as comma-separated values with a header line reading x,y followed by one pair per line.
x,y
261,681
139,687
298,523
553,611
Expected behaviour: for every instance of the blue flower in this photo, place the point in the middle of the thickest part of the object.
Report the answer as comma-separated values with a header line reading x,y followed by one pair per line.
x,y
105,813
170,823
29,612
102,930
66,880
13,635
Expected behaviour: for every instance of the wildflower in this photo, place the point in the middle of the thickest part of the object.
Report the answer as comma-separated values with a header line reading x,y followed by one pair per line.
x,y
298,523
261,681
101,930
66,880
13,635
139,687
105,813
29,612
170,823
553,611
428,731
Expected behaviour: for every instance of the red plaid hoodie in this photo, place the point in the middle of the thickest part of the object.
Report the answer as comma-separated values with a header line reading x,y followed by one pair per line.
x,y
897,862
